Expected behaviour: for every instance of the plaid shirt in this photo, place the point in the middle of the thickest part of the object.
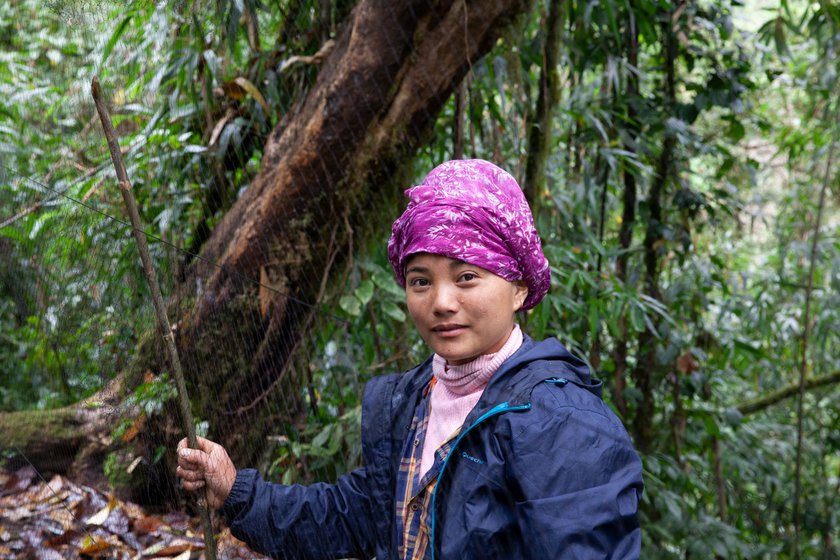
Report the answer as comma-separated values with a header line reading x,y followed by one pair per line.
x,y
414,495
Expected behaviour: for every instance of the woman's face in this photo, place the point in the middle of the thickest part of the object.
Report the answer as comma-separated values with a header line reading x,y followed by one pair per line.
x,y
461,310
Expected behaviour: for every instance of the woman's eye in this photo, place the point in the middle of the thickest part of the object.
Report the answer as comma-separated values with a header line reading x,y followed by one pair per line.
x,y
469,276
419,282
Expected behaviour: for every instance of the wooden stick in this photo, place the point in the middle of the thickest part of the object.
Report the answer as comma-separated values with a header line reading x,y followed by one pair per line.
x,y
157,299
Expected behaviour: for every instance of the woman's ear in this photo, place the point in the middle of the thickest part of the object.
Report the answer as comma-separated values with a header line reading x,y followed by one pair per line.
x,y
520,294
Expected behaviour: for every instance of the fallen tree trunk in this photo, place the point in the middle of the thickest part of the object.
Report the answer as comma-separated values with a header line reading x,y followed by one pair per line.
x,y
72,440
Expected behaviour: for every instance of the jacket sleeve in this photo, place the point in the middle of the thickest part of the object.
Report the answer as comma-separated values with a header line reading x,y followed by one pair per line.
x,y
580,481
302,522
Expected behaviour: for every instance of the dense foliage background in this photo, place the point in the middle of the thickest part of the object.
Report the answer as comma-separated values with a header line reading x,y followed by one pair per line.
x,y
681,159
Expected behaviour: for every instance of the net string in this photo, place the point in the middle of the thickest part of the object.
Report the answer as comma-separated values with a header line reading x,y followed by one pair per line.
x,y
256,283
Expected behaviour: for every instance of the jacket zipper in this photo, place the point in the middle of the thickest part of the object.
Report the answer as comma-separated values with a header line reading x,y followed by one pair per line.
x,y
498,409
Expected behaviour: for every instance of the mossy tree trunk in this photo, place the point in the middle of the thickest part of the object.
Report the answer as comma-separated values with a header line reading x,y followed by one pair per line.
x,y
378,93
343,147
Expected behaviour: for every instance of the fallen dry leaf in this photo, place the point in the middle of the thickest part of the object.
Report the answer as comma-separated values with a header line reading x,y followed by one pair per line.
x,y
17,514
65,538
147,524
93,546
102,515
135,428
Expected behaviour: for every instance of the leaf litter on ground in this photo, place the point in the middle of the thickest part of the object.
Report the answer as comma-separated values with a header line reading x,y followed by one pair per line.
x,y
59,520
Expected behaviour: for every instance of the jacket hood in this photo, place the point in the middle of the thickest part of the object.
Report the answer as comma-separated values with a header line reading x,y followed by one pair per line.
x,y
534,363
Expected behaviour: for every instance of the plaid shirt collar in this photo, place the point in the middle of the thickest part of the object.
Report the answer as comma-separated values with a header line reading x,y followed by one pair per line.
x,y
413,494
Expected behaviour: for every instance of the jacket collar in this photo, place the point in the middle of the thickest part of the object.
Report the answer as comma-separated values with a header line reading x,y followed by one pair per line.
x,y
533,363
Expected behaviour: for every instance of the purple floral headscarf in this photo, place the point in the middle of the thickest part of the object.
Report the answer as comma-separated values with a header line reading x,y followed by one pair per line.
x,y
473,211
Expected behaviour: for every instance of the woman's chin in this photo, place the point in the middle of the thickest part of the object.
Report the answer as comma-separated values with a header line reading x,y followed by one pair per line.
x,y
455,358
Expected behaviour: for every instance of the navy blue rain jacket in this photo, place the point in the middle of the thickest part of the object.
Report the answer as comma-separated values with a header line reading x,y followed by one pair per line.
x,y
542,468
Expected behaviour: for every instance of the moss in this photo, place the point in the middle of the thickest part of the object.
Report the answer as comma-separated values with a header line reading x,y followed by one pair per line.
x,y
22,430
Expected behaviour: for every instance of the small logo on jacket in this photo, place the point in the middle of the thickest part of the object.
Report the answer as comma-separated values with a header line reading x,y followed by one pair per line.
x,y
466,455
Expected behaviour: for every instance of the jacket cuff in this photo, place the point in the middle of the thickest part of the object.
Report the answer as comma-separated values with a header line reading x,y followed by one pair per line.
x,y
240,494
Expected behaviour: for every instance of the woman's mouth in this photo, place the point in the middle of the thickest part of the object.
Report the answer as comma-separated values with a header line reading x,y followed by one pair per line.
x,y
449,330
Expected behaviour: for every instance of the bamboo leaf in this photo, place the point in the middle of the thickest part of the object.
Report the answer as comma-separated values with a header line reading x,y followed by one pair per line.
x,y
112,40
245,84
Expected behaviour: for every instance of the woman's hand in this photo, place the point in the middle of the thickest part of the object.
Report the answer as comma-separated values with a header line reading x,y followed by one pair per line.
x,y
209,466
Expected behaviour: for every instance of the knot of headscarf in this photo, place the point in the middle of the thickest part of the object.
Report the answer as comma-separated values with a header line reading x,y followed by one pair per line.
x,y
473,211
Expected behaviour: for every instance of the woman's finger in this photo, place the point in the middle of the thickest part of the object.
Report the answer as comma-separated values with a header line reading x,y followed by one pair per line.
x,y
189,475
193,485
204,444
192,458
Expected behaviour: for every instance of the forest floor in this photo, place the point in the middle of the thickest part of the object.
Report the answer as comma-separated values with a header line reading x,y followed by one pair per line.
x,y
58,519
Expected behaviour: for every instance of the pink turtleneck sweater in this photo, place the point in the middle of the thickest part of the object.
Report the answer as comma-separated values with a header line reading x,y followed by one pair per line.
x,y
457,391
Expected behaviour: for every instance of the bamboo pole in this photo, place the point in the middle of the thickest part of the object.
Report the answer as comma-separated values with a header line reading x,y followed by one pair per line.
x,y
157,299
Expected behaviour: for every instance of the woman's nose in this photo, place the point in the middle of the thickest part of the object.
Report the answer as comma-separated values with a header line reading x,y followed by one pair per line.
x,y
444,300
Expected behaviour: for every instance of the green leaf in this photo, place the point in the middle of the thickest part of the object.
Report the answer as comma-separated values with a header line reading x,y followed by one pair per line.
x,y
288,477
711,425
612,21
321,439
386,281
365,292
747,347
736,131
637,318
350,305
393,311
672,505
112,40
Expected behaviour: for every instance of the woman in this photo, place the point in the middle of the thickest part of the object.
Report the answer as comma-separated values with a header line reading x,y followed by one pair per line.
x,y
495,446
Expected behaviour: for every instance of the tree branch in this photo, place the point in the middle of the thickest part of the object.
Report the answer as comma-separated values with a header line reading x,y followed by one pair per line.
x,y
790,390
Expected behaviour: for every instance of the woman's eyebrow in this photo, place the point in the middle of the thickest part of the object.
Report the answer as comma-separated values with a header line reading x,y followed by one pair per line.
x,y
418,269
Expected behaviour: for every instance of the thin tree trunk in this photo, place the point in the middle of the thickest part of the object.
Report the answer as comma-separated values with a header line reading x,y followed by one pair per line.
x,y
539,137
595,350
628,213
646,367
720,482
803,365
458,129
